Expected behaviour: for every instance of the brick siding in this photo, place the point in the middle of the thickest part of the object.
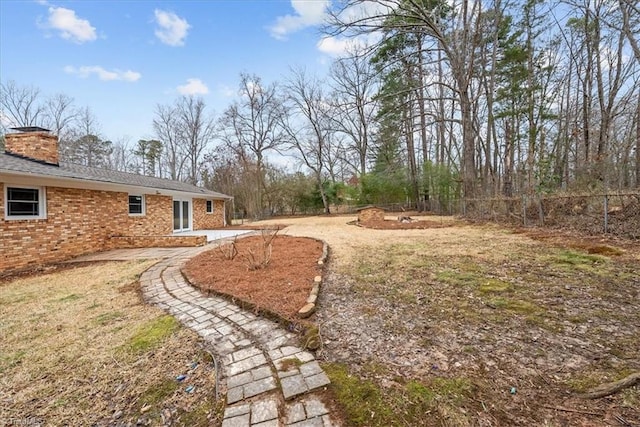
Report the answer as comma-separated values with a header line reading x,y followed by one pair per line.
x,y
41,146
157,220
84,221
206,221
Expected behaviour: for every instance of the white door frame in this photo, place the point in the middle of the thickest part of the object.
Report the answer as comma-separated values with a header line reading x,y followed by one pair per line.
x,y
190,207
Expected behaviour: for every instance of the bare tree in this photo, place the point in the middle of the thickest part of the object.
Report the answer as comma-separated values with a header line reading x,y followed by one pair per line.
x,y
354,85
167,130
60,114
308,125
86,146
21,105
252,126
453,26
120,156
629,9
196,130
638,142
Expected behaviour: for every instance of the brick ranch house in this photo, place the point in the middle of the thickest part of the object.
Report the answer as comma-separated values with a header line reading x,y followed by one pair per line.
x,y
51,211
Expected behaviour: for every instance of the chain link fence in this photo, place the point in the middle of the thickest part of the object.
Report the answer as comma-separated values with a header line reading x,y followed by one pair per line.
x,y
615,213
611,213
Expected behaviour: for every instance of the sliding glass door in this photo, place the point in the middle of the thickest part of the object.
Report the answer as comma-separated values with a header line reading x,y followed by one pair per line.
x,y
181,215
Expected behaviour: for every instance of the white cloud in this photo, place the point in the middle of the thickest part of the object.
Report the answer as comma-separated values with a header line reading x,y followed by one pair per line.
x,y
371,12
226,91
193,87
308,13
87,70
6,121
172,29
336,47
609,57
253,87
69,25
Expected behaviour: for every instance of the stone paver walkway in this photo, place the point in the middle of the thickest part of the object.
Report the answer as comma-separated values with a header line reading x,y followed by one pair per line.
x,y
270,381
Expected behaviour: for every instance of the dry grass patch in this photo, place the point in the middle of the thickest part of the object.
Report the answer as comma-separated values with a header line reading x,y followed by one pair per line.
x,y
526,323
510,306
80,348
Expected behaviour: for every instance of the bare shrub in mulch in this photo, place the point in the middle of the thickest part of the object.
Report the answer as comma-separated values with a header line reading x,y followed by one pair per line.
x,y
260,257
281,286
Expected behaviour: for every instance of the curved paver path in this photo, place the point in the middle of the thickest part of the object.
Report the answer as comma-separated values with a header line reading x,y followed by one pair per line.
x,y
261,391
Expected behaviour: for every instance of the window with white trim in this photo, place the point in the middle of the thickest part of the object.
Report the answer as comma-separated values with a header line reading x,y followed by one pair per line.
x,y
136,204
24,202
209,206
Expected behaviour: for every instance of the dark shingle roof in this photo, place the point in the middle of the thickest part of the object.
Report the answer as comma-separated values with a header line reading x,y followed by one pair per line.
x,y
31,129
13,164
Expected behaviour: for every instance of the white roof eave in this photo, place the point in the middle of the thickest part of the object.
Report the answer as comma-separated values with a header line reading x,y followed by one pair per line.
x,y
22,178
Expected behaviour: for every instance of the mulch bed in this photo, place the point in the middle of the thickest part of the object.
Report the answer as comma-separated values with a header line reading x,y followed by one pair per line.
x,y
282,287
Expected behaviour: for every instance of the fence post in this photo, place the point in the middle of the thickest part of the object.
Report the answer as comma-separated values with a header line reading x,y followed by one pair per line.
x,y
606,213
540,211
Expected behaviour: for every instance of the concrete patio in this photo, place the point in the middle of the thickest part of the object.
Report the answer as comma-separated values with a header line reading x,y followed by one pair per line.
x,y
213,235
155,252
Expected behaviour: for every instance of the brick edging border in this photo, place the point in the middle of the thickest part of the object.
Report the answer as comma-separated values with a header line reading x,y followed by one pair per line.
x,y
310,307
291,325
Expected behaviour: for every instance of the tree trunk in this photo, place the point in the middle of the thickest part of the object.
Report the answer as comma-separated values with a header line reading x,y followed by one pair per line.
x,y
626,28
421,97
490,87
411,155
260,190
586,93
508,161
323,194
638,145
468,145
442,127
423,124
365,143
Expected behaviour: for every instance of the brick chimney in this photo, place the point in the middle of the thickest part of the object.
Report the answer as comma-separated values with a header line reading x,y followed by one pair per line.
x,y
33,143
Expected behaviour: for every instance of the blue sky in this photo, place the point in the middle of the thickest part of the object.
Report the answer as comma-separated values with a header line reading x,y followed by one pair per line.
x,y
121,58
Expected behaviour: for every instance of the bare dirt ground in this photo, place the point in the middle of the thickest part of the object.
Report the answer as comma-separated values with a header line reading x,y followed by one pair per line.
x,y
478,325
79,347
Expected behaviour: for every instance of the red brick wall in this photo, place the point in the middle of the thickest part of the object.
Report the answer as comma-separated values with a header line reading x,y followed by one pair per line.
x,y
78,222
205,221
158,218
41,146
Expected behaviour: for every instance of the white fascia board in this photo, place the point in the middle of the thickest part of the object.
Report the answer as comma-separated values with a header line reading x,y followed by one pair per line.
x,y
20,178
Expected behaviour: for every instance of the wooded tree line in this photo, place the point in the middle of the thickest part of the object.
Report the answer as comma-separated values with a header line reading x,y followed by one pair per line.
x,y
509,97
447,99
